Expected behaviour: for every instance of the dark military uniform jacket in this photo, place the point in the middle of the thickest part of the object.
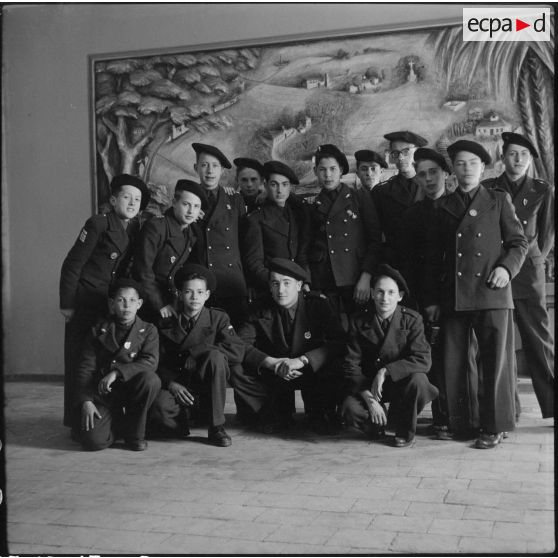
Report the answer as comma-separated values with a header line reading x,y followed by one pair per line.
x,y
221,248
274,232
471,242
99,256
417,237
161,249
346,238
212,330
251,202
101,354
316,332
392,198
534,207
402,350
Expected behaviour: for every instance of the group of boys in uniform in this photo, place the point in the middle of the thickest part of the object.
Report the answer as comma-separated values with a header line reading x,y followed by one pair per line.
x,y
399,291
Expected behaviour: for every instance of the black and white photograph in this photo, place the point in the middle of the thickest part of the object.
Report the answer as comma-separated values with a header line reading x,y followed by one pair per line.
x,y
278,279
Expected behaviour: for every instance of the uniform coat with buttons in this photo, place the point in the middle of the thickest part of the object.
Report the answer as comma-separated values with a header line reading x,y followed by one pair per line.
x,y
392,198
136,388
404,352
222,244
347,238
472,241
100,255
316,333
162,248
534,206
419,228
272,234
199,359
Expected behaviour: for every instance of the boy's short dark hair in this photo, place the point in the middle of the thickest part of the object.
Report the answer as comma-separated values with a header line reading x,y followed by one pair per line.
x,y
124,283
189,271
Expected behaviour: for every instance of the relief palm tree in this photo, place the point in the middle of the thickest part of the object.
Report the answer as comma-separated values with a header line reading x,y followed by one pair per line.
x,y
520,71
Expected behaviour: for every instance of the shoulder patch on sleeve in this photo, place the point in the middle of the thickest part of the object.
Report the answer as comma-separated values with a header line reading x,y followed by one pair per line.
x,y
82,235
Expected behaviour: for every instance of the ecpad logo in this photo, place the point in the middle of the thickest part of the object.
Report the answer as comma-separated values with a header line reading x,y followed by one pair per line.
x,y
506,24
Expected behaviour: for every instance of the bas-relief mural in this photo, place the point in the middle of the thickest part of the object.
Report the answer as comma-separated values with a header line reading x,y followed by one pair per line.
x,y
281,101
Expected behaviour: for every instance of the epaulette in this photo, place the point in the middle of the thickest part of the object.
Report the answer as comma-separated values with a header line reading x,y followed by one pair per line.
x,y
314,294
409,311
541,181
215,308
384,182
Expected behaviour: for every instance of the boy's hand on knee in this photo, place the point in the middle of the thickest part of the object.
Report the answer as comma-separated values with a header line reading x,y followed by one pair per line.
x,y
377,413
181,394
88,414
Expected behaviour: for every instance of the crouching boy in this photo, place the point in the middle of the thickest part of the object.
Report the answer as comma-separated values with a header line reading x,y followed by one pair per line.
x,y
197,348
387,360
117,372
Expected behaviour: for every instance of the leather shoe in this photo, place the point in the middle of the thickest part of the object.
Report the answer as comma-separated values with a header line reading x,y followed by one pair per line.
x,y
488,441
443,433
401,442
137,445
218,436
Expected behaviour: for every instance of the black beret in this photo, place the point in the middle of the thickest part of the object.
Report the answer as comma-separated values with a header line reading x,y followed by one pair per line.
x,y
470,146
385,270
185,185
200,148
518,139
128,180
369,156
277,167
246,163
124,283
407,136
287,267
329,150
189,269
425,154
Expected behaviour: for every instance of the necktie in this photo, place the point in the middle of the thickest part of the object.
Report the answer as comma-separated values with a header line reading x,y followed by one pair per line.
x,y
188,324
287,324
385,325
465,197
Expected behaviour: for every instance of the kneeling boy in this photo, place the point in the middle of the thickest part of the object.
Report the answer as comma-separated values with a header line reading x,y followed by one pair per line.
x,y
117,370
387,360
197,348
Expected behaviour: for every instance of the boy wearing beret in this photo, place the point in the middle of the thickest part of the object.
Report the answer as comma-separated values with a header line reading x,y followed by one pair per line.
x,y
399,192
198,347
346,243
388,359
278,229
249,180
481,246
533,200
293,341
116,370
163,246
221,232
432,172
369,166
100,254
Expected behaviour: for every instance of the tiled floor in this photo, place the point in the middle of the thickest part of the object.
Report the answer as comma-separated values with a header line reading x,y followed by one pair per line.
x,y
300,494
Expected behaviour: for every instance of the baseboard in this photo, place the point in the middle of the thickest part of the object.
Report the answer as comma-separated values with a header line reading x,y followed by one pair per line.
x,y
33,378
